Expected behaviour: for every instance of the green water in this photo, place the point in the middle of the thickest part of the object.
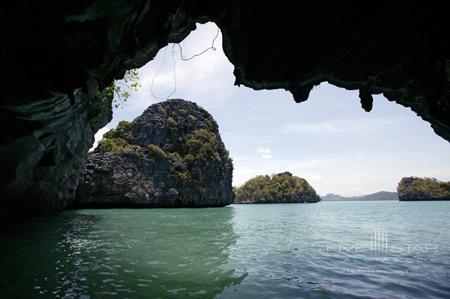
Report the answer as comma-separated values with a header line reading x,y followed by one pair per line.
x,y
380,249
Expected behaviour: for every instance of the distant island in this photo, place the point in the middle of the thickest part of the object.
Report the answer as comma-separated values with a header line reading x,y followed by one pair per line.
x,y
382,195
414,188
170,156
278,188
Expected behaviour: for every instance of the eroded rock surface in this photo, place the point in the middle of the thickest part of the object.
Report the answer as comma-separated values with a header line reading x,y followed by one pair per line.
x,y
170,156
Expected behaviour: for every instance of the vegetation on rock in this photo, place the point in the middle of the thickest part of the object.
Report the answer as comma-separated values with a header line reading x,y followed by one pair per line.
x,y
115,145
121,90
202,145
278,188
162,158
118,139
157,151
414,188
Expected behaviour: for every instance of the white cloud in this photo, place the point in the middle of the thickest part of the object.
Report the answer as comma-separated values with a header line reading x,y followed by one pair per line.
x,y
308,164
99,136
265,152
340,126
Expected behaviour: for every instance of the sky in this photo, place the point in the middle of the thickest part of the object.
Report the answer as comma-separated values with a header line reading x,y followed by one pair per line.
x,y
329,140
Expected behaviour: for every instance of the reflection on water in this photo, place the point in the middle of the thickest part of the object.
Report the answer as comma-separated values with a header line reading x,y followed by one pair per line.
x,y
124,253
324,250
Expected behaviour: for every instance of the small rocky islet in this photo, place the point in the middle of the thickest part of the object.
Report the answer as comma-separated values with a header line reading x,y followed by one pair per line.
x,y
170,156
416,189
277,188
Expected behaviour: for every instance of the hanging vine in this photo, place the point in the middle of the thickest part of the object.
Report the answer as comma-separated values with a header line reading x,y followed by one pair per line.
x,y
174,89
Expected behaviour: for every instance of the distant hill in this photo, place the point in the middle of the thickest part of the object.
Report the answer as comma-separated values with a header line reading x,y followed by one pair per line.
x,y
382,195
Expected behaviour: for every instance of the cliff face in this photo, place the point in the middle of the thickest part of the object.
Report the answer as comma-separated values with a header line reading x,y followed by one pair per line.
x,y
279,188
413,188
57,56
170,156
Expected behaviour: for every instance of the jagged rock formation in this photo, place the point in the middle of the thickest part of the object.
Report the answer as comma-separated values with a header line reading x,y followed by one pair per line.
x,y
414,188
170,156
57,56
381,195
278,188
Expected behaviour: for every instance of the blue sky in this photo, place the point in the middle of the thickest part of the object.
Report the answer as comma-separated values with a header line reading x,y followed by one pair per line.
x,y
329,139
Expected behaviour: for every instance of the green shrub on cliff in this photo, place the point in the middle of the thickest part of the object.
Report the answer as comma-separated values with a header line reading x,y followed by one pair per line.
x,y
115,145
202,145
118,139
122,131
179,169
414,188
157,151
192,118
283,187
183,111
171,122
209,124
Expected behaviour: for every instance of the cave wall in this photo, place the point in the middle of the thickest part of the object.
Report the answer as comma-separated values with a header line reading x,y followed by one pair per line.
x,y
58,56
43,150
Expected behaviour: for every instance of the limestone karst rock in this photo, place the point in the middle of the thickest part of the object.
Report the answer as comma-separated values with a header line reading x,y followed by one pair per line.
x,y
279,188
170,156
414,188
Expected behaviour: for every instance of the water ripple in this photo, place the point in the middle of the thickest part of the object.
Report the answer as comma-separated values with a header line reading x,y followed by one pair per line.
x,y
250,251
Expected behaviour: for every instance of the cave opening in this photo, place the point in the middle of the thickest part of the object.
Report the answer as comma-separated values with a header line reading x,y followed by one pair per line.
x,y
306,77
266,132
